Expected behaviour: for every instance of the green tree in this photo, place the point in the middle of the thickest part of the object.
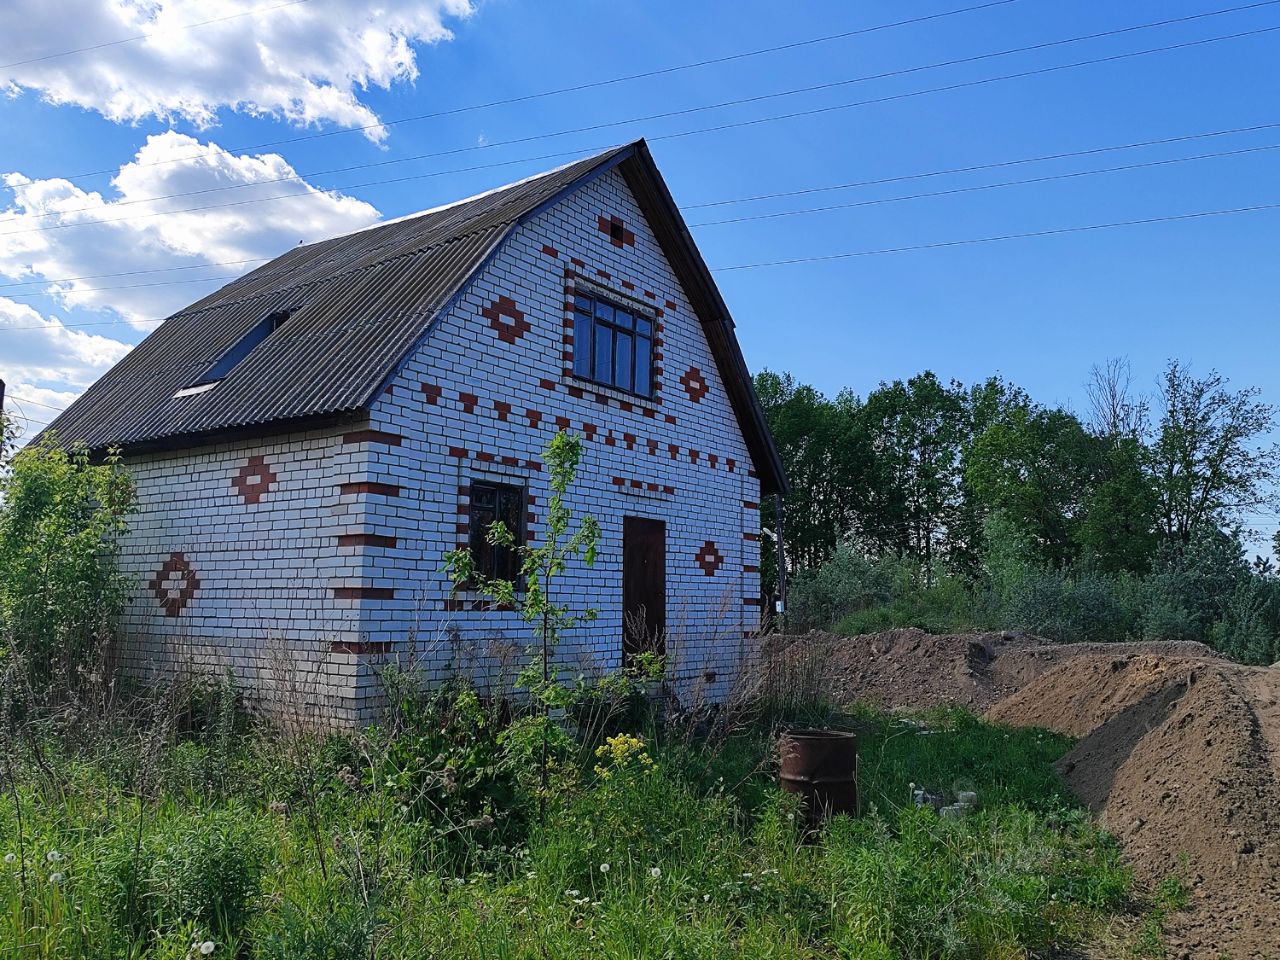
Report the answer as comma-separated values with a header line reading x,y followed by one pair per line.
x,y
61,516
1036,467
533,593
918,431
1209,463
826,454
1117,531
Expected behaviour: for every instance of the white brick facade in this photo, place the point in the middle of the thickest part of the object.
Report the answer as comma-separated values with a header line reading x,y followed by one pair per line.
x,y
331,543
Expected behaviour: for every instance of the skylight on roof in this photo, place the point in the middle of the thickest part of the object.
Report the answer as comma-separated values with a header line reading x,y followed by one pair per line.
x,y
192,391
238,351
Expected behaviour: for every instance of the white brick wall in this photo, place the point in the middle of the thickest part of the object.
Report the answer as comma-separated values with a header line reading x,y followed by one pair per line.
x,y
469,404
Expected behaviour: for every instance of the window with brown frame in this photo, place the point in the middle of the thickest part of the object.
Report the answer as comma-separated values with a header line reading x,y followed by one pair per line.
x,y
612,344
489,502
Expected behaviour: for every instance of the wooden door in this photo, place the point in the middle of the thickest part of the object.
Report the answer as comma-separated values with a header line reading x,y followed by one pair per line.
x,y
644,586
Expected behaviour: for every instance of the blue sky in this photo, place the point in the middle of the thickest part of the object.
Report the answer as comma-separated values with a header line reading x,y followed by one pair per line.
x,y
1038,311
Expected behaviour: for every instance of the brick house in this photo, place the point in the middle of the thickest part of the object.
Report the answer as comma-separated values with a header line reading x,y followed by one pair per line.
x,y
310,440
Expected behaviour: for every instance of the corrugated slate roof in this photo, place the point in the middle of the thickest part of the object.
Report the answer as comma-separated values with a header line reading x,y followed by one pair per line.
x,y
360,304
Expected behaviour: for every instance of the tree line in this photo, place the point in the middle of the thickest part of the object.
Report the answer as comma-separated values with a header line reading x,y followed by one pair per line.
x,y
982,494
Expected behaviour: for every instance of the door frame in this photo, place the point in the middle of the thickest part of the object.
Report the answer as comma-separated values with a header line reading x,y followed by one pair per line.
x,y
644,542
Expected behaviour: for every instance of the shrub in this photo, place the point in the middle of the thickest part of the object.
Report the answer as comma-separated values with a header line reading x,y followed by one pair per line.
x,y
60,519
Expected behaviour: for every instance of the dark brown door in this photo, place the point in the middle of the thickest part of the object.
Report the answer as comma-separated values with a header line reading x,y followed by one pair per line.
x,y
644,586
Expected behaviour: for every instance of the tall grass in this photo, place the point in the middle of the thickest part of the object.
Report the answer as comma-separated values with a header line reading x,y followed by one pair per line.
x,y
663,844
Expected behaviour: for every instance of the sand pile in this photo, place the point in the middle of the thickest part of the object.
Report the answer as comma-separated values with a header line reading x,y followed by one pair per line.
x,y
1178,750
1178,758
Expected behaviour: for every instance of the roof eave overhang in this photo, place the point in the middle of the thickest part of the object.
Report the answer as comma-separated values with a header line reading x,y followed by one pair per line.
x,y
668,225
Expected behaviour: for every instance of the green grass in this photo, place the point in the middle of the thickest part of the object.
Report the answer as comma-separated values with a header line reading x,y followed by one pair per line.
x,y
235,845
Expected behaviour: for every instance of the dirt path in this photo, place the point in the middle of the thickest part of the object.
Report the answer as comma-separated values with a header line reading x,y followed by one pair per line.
x,y
1178,752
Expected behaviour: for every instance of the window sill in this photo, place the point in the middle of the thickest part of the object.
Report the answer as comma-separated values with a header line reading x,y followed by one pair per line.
x,y
616,394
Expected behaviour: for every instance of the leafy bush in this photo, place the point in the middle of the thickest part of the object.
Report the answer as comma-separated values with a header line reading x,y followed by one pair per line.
x,y
60,519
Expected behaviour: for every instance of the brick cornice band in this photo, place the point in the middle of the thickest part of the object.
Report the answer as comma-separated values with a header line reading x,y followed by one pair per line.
x,y
364,593
370,486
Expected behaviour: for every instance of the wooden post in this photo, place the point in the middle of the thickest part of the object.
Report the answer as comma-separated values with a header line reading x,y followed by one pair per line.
x,y
780,530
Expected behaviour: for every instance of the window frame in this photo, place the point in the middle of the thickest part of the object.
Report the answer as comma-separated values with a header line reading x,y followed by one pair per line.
x,y
585,359
499,485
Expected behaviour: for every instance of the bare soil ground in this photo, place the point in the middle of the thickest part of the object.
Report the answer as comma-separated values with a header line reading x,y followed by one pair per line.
x,y
1178,751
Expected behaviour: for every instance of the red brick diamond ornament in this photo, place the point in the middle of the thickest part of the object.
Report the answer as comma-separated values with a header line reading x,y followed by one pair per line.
x,y
695,384
709,558
174,584
254,480
506,307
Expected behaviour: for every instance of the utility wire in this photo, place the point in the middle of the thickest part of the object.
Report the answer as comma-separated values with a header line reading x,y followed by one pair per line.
x,y
154,33
130,286
709,223
576,88
986,186
876,201
981,166
302,177
131,273
14,396
1058,231
762,196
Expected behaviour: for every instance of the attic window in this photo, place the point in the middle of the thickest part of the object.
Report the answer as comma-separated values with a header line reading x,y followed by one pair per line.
x,y
238,351
617,232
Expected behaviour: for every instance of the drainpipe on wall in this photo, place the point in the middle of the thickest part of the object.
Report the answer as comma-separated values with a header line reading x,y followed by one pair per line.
x,y
780,524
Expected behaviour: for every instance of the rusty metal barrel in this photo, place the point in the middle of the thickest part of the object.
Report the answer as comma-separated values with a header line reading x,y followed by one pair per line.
x,y
821,766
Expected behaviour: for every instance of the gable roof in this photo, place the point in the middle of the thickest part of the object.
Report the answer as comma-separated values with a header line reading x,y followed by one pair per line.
x,y
359,306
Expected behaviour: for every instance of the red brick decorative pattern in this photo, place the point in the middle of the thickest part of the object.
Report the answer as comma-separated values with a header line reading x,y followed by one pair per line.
x,y
617,231
373,436
360,646
709,558
366,540
174,584
364,593
622,483
508,332
254,480
370,486
694,383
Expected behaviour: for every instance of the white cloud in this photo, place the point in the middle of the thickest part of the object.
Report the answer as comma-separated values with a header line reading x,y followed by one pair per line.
x,y
46,364
36,241
305,62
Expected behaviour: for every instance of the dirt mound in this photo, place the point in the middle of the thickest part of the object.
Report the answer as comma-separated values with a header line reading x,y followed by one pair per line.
x,y
1178,750
909,668
1178,757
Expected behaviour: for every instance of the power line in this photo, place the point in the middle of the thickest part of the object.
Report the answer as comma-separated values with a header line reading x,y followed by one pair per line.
x,y
981,166
764,216
595,84
132,286
131,273
762,196
1058,231
1202,214
302,177
14,396
153,33
986,186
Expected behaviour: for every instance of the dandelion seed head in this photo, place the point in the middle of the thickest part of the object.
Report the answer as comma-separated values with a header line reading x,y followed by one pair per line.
x,y
604,868
53,856
10,857
206,948
55,878
655,872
